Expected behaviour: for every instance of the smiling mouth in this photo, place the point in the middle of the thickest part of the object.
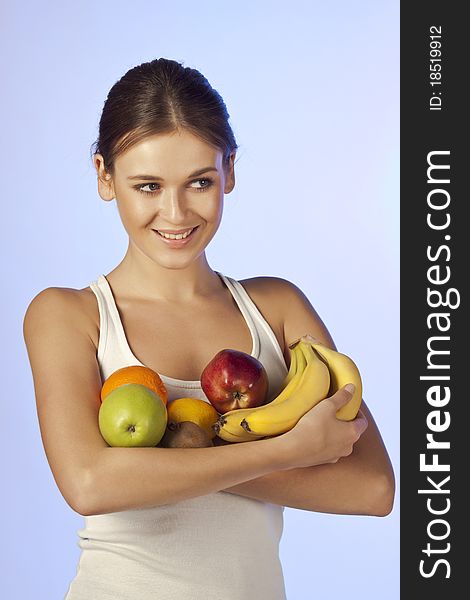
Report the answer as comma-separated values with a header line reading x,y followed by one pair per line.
x,y
178,236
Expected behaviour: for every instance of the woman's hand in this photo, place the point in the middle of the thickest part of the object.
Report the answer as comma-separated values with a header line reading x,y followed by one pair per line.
x,y
319,437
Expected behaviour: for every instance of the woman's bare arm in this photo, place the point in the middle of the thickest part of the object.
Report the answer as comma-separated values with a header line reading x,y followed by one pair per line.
x,y
93,477
357,484
361,483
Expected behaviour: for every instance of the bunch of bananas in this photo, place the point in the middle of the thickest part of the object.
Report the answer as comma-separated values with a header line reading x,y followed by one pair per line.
x,y
315,373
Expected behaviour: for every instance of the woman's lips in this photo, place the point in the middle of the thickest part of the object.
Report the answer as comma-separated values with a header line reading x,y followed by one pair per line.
x,y
177,243
176,231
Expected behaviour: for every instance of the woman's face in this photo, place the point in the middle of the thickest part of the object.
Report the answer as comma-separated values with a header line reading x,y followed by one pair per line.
x,y
170,183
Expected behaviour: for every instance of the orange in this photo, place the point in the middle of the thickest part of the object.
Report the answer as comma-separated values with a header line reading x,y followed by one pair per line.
x,y
135,374
193,409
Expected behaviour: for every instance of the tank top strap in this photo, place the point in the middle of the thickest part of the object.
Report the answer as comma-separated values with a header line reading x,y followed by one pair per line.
x,y
234,287
103,312
263,332
110,303
111,327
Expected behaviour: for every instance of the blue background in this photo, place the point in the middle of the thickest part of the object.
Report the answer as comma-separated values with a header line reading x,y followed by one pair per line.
x,y
313,93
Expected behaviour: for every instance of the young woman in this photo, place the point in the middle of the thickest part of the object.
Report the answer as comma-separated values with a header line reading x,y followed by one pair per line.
x,y
199,523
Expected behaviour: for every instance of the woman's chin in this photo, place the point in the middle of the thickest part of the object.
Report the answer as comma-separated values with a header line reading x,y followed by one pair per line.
x,y
176,260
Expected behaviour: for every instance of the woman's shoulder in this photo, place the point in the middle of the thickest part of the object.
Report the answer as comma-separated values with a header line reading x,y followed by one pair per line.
x,y
276,290
77,306
290,307
71,298
272,295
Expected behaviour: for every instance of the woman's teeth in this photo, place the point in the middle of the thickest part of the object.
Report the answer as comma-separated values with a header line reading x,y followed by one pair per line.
x,y
175,236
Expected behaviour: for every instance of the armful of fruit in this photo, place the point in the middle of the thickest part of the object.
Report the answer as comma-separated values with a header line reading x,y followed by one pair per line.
x,y
135,410
315,417
298,428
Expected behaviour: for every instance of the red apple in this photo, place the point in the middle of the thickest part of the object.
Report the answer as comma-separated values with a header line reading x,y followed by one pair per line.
x,y
234,379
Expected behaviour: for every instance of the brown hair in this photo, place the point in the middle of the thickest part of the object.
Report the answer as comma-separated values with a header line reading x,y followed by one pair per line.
x,y
162,96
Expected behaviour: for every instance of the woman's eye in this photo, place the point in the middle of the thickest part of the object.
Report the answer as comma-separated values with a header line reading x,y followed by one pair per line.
x,y
205,182
140,188
208,182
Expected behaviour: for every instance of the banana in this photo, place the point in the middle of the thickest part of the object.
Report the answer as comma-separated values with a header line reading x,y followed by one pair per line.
x,y
343,370
226,435
270,420
228,426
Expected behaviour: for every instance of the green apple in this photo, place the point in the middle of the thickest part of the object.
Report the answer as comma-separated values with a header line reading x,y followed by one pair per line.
x,y
132,415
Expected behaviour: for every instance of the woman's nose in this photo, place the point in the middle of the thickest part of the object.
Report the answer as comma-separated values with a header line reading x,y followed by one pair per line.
x,y
173,206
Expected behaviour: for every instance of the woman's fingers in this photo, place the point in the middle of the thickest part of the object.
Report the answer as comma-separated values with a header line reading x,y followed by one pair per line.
x,y
334,438
342,396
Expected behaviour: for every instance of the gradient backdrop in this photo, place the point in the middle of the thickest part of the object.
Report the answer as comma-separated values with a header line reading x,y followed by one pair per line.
x,y
313,93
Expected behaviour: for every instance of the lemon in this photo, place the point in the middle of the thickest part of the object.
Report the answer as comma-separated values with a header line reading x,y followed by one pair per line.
x,y
195,410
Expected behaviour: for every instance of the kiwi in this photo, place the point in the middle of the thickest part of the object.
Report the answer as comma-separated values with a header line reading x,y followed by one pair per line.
x,y
185,434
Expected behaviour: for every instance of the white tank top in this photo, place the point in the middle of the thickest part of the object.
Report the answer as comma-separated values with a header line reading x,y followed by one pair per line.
x,y
219,546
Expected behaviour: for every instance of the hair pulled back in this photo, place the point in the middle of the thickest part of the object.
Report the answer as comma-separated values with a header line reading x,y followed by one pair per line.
x,y
161,96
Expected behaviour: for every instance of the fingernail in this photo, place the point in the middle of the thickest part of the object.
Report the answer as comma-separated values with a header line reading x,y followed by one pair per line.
x,y
350,387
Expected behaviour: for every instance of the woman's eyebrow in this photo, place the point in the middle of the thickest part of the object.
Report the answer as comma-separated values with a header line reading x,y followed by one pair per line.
x,y
155,177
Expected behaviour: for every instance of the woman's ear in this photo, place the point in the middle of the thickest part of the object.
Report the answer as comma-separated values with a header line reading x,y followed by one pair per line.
x,y
105,182
230,174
